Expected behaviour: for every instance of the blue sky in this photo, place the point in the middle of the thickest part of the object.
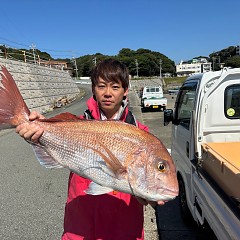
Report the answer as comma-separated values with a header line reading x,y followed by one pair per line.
x,y
180,29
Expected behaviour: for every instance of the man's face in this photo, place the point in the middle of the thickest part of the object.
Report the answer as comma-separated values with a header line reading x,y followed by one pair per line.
x,y
109,96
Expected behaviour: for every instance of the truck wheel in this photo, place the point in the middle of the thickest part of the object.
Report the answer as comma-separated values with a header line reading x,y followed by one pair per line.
x,y
185,212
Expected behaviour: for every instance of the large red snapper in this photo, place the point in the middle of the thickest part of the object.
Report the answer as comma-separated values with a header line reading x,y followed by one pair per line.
x,y
114,155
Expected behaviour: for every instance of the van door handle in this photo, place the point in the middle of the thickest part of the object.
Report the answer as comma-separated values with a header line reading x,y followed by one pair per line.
x,y
187,148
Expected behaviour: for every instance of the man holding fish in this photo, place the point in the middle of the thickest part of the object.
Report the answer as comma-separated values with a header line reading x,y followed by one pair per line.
x,y
96,212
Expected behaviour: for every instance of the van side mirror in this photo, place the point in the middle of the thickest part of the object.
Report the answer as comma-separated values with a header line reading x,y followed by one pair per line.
x,y
167,116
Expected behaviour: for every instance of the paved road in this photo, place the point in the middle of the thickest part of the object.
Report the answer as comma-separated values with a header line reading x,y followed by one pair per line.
x,y
32,198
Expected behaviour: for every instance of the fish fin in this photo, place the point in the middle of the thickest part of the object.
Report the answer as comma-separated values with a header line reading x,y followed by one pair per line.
x,y
44,158
63,117
112,162
96,189
13,109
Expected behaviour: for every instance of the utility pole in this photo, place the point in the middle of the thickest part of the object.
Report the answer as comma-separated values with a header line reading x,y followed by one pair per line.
x,y
214,60
160,68
95,61
238,50
39,60
33,49
24,56
75,64
5,51
136,61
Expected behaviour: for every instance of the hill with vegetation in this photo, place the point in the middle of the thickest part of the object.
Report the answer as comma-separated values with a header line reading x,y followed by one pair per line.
x,y
142,62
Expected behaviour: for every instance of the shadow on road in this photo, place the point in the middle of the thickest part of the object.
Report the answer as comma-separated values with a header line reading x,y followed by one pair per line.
x,y
171,226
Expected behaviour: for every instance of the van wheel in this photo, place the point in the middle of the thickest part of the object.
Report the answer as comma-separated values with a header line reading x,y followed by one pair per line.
x,y
185,212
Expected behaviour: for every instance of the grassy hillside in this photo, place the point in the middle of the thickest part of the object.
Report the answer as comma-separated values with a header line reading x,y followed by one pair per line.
x,y
174,82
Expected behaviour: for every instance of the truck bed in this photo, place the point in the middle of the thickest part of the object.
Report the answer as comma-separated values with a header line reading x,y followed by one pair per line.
x,y
222,162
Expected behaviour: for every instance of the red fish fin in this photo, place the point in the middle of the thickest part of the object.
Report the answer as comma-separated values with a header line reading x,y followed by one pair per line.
x,y
44,158
113,163
62,117
13,109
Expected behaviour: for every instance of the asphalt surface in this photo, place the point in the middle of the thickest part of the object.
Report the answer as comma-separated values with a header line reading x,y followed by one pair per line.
x,y
32,198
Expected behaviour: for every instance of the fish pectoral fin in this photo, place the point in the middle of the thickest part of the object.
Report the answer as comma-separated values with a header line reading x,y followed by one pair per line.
x,y
44,158
113,163
121,173
96,189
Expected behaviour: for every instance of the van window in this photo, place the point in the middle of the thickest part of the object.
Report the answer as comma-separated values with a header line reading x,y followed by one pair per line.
x,y
232,102
184,104
152,90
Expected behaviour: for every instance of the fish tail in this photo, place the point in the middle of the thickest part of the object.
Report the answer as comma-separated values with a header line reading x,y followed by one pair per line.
x,y
13,109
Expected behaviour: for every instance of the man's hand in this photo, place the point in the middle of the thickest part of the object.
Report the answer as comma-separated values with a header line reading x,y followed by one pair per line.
x,y
30,131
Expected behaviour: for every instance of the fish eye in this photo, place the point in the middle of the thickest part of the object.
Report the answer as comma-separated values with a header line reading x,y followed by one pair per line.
x,y
161,167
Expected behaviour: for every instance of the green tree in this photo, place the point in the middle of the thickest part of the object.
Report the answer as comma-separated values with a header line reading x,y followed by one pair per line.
x,y
126,52
148,62
233,62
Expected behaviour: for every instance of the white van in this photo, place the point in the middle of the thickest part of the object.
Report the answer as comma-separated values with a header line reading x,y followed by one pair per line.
x,y
152,92
152,98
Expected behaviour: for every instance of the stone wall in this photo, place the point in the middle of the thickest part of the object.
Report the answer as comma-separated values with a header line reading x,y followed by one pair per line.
x,y
40,86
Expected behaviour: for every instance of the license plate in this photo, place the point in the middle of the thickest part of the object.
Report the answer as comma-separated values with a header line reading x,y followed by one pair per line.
x,y
155,106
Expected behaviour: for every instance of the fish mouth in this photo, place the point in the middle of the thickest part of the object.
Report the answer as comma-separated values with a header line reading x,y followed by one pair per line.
x,y
164,195
167,197
170,195
161,197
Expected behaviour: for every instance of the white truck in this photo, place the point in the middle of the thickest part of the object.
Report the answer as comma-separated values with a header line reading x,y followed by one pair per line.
x,y
152,98
206,150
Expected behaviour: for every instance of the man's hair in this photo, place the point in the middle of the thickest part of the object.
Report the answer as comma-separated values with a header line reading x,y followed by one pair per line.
x,y
111,70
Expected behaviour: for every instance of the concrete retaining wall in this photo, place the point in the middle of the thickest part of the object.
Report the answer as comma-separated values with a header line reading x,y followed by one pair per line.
x,y
41,86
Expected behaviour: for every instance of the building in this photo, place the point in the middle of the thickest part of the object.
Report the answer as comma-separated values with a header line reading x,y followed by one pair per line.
x,y
194,66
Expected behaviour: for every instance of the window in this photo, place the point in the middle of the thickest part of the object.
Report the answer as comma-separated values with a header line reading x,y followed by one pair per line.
x,y
185,103
232,102
152,90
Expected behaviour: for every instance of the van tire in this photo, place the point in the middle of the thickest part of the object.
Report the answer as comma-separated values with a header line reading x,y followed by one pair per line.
x,y
185,212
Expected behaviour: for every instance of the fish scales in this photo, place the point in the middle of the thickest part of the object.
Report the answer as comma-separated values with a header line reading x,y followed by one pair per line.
x,y
108,134
93,139
84,161
114,155
87,162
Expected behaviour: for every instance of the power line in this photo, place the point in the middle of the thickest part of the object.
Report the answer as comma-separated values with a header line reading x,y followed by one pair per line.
x,y
51,50
20,44
11,25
